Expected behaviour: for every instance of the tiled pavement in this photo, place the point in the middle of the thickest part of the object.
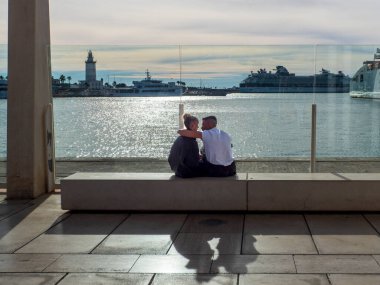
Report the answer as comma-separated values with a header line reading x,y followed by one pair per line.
x,y
42,244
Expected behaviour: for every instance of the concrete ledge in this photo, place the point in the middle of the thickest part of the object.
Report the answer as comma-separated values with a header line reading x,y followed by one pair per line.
x,y
252,192
152,191
313,192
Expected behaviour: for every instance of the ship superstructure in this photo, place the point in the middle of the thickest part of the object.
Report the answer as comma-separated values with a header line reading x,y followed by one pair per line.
x,y
366,81
153,87
281,81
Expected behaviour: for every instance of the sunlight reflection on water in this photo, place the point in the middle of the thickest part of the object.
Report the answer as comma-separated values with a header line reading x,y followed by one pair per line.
x,y
261,125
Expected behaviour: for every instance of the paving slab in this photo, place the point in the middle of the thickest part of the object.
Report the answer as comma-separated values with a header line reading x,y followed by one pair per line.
x,y
30,278
9,209
253,264
195,279
151,224
207,243
143,234
213,223
343,234
106,278
277,234
79,233
278,244
172,264
374,220
19,229
283,279
26,262
336,264
135,244
353,279
92,263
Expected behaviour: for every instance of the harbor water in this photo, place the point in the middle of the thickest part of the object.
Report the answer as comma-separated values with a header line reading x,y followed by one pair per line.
x,y
261,125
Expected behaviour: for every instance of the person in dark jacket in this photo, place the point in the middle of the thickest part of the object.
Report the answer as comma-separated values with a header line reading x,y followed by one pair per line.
x,y
184,153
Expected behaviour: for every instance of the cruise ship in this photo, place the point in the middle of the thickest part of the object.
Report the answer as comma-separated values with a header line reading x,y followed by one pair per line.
x,y
366,81
281,81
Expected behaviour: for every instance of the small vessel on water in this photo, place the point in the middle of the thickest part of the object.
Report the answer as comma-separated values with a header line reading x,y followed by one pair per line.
x,y
148,87
152,87
366,81
281,81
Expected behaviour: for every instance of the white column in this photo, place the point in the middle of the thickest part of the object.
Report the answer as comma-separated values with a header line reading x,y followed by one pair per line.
x,y
29,94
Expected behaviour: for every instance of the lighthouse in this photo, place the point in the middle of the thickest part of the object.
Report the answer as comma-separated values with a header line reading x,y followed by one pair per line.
x,y
90,69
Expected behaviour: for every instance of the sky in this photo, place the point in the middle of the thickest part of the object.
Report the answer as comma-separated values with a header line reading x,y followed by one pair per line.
x,y
218,22
220,38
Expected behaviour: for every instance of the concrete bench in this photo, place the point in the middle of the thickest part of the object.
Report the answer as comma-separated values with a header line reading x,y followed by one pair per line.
x,y
252,192
152,191
313,192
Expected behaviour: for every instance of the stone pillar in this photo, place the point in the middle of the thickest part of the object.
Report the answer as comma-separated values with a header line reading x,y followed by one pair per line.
x,y
29,96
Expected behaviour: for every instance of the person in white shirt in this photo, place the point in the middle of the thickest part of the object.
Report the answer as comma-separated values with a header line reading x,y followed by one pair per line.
x,y
217,157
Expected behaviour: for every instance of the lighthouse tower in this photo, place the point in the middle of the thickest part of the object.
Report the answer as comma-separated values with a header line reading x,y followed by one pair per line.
x,y
90,69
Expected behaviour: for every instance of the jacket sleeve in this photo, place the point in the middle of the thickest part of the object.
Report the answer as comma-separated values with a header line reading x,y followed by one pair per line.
x,y
173,158
192,155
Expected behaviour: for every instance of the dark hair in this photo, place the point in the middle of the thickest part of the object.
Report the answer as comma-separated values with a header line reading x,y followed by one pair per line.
x,y
213,118
188,119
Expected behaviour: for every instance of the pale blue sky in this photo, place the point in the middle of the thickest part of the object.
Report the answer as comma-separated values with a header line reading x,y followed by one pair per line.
x,y
210,21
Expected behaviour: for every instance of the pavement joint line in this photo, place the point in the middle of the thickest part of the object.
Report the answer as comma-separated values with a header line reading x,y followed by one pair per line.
x,y
242,236
151,279
134,263
328,278
294,262
43,270
246,193
63,277
340,176
118,225
176,236
60,219
211,263
12,213
311,235
375,260
370,223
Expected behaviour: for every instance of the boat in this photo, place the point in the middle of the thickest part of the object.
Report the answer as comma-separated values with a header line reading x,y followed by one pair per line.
x,y
204,91
366,81
150,88
281,81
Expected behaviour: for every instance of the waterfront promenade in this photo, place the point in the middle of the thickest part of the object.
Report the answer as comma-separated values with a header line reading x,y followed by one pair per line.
x,y
42,244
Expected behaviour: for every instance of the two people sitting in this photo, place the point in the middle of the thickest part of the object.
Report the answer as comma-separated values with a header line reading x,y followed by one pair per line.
x,y
216,159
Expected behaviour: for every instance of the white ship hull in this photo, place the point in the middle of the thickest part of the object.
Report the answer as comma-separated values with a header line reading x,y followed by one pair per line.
x,y
366,81
149,93
294,90
365,95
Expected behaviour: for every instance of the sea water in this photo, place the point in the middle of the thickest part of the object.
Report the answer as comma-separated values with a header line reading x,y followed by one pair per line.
x,y
261,125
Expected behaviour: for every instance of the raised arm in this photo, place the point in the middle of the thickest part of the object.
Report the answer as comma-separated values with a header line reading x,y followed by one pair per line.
x,y
190,134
